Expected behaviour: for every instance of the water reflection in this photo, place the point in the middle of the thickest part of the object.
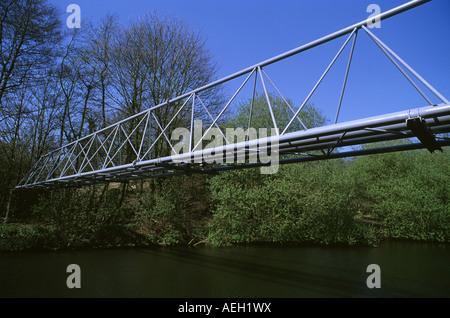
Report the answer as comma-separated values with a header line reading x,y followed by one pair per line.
x,y
407,270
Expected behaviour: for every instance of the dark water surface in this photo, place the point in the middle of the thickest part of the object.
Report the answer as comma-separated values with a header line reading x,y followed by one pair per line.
x,y
407,270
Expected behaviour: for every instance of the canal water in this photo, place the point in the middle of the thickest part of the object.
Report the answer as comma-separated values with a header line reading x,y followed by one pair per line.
x,y
405,270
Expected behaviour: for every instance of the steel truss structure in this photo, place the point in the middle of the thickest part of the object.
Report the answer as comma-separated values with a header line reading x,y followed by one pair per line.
x,y
123,151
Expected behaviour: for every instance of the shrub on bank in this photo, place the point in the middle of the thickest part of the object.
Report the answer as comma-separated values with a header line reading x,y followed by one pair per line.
x,y
409,192
402,195
20,237
172,211
304,203
87,217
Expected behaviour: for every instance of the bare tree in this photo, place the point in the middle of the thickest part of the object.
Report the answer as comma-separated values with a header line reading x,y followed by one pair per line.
x,y
55,87
156,59
99,46
43,122
29,34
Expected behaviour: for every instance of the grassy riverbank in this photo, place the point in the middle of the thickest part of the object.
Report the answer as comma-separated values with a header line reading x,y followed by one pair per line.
x,y
346,202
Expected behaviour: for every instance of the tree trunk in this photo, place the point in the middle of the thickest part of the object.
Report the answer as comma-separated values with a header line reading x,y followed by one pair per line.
x,y
8,206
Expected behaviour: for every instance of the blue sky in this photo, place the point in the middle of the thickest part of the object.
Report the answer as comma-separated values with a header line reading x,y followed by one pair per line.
x,y
241,33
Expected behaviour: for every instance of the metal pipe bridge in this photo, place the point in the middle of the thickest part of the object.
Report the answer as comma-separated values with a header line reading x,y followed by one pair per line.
x,y
125,150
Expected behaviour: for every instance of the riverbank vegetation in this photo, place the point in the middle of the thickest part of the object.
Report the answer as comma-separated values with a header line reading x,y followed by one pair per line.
x,y
361,201
57,86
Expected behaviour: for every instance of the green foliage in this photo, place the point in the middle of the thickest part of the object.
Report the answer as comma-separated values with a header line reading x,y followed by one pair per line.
x,y
19,237
409,192
156,216
309,203
172,211
87,217
402,195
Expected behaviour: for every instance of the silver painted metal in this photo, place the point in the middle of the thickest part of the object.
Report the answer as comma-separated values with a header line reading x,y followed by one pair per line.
x,y
346,76
268,101
320,80
123,151
409,68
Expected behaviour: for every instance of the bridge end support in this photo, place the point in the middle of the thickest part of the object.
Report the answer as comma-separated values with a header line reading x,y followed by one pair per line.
x,y
420,129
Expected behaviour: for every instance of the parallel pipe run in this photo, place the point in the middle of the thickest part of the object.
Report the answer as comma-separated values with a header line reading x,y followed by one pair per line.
x,y
354,153
386,127
149,164
74,182
142,172
383,120
328,142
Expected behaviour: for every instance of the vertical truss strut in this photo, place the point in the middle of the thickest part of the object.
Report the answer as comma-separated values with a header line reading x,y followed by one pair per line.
x,y
346,75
